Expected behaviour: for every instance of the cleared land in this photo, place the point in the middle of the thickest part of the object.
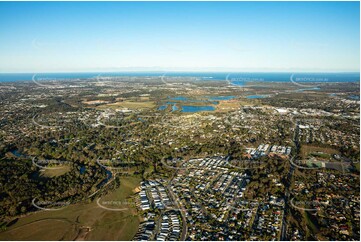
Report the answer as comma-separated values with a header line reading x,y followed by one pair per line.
x,y
94,102
80,221
41,229
55,172
129,105
225,106
321,153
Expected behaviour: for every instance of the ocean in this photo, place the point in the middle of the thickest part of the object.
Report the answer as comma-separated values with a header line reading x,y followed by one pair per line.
x,y
235,78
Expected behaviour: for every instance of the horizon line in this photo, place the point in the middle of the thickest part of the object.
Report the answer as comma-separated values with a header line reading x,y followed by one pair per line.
x,y
184,71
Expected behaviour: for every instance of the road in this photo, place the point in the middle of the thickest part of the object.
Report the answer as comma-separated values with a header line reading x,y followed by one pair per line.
x,y
283,236
181,209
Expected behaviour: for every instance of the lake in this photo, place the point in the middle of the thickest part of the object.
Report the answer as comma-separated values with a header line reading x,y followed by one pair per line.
x,y
17,153
308,89
194,109
174,108
163,107
221,98
354,97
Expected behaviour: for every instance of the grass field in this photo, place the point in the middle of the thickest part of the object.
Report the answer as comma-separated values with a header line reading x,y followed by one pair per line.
x,y
55,172
129,104
44,229
322,153
80,221
120,198
225,106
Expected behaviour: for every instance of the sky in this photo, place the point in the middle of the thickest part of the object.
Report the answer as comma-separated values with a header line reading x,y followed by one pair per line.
x,y
182,36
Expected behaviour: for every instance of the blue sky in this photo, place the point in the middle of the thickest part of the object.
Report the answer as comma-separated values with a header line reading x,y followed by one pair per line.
x,y
219,36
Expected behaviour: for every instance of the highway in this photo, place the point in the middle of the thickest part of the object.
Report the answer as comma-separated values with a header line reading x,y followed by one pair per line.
x,y
283,236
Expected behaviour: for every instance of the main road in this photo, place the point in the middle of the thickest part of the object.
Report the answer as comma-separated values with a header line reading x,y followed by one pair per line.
x,y
180,207
283,236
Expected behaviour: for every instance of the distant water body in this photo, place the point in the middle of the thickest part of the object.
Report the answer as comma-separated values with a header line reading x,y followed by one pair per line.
x,y
234,78
194,109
